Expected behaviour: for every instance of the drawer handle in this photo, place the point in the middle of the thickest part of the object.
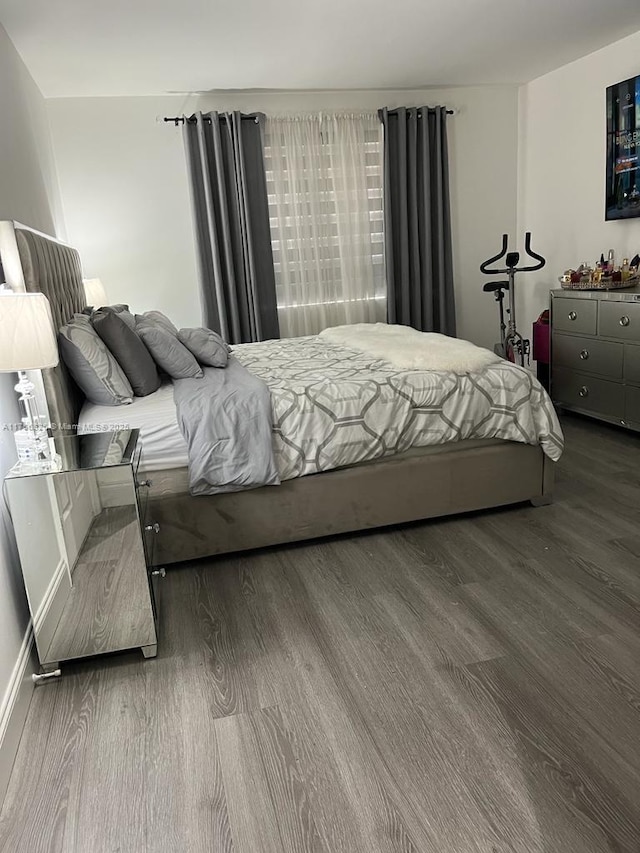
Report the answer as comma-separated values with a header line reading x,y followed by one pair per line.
x,y
584,355
144,484
584,391
572,315
624,321
152,528
159,573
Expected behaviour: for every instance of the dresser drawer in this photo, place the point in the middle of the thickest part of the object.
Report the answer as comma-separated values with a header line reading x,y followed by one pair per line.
x,y
603,358
620,320
585,392
632,363
575,315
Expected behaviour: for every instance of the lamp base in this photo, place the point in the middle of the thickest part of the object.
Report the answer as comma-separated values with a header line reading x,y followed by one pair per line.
x,y
32,442
34,455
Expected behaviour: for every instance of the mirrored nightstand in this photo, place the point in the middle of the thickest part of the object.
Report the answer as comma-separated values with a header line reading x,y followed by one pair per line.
x,y
86,557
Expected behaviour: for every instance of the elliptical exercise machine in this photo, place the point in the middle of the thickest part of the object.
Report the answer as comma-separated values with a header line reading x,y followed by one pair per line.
x,y
512,346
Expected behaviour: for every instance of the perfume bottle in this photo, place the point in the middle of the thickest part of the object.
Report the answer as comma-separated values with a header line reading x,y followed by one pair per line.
x,y
611,262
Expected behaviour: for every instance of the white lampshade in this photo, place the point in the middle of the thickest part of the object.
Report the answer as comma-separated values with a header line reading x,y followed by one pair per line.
x,y
94,292
27,336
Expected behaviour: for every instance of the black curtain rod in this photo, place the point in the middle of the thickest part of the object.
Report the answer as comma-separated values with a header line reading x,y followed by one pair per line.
x,y
192,119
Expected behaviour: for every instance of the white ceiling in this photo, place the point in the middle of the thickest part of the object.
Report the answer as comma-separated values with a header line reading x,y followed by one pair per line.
x,y
143,47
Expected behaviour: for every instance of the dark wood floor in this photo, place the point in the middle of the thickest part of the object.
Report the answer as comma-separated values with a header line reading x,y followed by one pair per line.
x,y
471,684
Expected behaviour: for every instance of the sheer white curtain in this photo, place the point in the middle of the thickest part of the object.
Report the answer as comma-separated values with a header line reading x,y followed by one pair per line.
x,y
324,185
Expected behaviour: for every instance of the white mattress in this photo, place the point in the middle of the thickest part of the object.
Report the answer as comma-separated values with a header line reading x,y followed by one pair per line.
x,y
162,443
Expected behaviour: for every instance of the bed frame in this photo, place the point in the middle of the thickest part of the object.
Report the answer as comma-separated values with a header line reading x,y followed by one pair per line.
x,y
422,483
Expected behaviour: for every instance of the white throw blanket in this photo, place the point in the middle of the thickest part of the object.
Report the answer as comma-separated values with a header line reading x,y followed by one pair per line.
x,y
408,348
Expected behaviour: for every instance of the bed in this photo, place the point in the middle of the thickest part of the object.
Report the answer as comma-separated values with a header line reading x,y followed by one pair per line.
x,y
404,483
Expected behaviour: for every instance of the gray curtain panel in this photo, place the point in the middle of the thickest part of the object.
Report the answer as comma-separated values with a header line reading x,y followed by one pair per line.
x,y
417,219
229,194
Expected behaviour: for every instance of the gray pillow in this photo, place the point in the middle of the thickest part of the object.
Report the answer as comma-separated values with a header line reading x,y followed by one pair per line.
x,y
168,353
120,309
157,318
207,346
123,312
94,369
128,349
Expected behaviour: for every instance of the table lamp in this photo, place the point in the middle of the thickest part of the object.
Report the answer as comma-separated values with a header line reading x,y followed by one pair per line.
x,y
94,292
27,342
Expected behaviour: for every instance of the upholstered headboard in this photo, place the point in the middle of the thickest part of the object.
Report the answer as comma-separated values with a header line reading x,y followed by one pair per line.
x,y
51,267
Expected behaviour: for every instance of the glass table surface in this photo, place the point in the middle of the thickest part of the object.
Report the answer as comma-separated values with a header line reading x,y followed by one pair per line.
x,y
86,452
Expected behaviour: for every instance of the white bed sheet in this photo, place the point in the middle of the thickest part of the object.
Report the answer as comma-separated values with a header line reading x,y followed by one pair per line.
x,y
163,446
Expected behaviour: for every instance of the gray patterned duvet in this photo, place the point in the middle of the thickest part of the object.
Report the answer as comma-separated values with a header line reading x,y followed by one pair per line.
x,y
333,406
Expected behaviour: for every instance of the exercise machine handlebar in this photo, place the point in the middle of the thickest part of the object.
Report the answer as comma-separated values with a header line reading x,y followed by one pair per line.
x,y
484,267
527,247
512,258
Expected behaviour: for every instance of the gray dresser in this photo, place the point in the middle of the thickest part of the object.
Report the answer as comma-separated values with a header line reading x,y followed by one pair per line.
x,y
595,353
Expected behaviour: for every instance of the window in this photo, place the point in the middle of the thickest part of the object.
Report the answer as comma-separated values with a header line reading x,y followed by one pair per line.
x,y
324,185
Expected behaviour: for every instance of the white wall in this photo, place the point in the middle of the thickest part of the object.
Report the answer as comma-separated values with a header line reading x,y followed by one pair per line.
x,y
562,151
36,520
29,194
126,203
125,199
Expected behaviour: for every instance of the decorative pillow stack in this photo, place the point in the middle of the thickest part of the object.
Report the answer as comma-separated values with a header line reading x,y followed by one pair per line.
x,y
113,355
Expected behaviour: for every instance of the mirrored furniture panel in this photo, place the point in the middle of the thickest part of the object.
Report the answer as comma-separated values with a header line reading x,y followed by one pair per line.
x,y
86,557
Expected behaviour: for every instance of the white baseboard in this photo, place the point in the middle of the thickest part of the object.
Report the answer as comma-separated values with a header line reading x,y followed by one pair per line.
x,y
48,599
115,494
48,614
14,708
